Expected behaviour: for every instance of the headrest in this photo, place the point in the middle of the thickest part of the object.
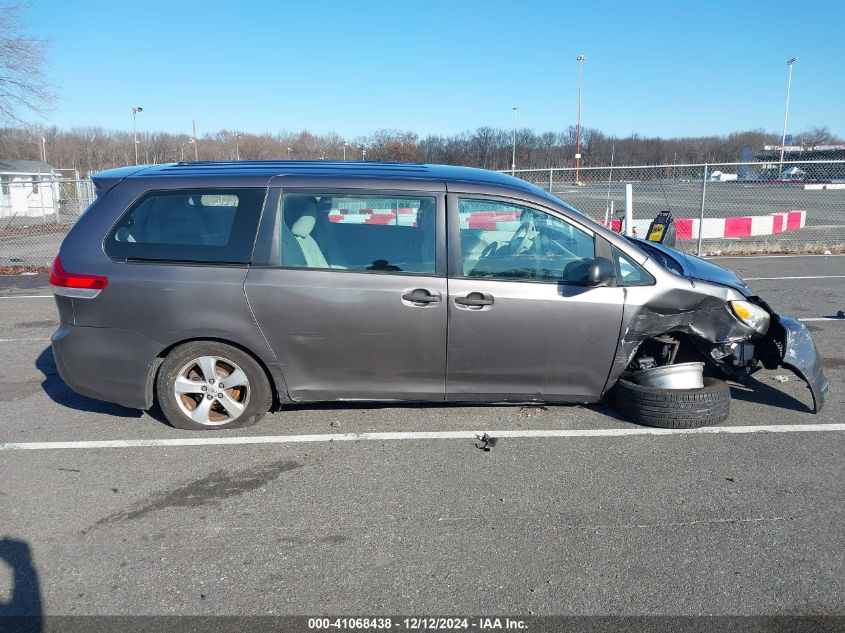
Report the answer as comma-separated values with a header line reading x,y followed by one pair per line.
x,y
303,226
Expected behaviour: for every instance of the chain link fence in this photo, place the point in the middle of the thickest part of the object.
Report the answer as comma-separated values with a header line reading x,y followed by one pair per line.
x,y
719,207
35,215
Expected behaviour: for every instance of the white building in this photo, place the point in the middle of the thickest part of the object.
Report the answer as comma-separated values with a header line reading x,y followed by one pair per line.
x,y
28,188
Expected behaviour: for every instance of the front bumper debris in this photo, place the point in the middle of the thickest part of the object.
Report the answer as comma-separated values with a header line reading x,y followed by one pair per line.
x,y
800,356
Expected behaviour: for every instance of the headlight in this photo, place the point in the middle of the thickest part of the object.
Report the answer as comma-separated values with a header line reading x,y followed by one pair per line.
x,y
752,315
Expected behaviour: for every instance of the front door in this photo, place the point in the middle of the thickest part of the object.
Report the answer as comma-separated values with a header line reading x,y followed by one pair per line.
x,y
352,299
523,325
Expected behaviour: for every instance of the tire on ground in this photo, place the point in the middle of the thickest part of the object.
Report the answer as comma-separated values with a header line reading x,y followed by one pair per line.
x,y
673,408
260,398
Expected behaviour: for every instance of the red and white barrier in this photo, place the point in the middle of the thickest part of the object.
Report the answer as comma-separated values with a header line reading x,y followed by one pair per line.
x,y
740,226
721,228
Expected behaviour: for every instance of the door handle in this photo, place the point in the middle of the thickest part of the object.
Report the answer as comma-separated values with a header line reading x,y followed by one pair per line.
x,y
475,300
421,296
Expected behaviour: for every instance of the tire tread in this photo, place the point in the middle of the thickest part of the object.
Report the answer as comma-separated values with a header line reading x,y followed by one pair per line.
x,y
673,409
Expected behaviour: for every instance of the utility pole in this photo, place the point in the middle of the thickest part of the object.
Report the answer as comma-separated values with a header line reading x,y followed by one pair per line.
x,y
135,111
789,64
196,151
237,146
580,59
513,156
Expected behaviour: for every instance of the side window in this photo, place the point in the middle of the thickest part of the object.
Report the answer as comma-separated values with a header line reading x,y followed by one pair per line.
x,y
189,225
629,272
373,233
507,241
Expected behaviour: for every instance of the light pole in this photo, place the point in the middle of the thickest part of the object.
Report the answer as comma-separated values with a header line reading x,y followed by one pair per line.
x,y
789,64
289,152
513,156
345,145
238,138
363,154
194,139
135,111
580,59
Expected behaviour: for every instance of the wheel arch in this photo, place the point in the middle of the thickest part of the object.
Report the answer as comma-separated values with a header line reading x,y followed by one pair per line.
x,y
152,374
691,348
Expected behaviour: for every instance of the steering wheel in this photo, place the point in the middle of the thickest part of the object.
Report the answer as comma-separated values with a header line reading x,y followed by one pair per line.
x,y
520,240
489,249
559,248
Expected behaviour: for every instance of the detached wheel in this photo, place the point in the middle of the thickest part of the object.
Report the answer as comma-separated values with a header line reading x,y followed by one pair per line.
x,y
206,385
673,408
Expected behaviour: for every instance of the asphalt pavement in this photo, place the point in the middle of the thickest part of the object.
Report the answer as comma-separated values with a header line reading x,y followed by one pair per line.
x,y
548,522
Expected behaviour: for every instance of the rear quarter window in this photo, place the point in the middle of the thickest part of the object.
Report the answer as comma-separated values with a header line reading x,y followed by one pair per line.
x,y
189,225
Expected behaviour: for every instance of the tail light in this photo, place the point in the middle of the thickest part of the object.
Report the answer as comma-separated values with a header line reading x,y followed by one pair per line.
x,y
75,285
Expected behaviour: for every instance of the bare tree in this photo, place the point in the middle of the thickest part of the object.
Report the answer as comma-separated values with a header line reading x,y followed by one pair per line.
x,y
23,87
92,149
820,135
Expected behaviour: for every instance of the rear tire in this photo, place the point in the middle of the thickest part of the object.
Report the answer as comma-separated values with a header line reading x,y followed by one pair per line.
x,y
192,393
673,408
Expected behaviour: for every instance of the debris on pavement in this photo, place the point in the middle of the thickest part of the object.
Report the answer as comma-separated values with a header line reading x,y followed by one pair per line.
x,y
780,378
841,314
532,410
733,479
486,442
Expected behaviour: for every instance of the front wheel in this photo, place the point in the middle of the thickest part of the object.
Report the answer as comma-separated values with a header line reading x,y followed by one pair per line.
x,y
673,408
206,385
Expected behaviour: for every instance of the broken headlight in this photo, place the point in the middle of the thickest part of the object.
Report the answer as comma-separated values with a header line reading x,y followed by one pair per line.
x,y
752,315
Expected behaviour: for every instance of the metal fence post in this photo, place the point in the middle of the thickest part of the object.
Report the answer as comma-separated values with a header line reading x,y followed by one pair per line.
x,y
41,195
551,178
55,187
701,215
629,209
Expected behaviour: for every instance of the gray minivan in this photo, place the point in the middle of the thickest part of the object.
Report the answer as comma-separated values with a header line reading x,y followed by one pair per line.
x,y
218,290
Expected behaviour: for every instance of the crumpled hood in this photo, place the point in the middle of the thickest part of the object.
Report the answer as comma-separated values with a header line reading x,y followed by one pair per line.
x,y
698,268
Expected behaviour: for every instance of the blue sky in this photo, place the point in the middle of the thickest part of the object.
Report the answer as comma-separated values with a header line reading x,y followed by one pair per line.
x,y
441,67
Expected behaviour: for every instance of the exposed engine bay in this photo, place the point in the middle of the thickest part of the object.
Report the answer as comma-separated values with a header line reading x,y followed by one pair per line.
x,y
730,352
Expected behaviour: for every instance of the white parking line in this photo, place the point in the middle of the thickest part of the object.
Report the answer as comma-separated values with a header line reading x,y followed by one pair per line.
x,y
27,297
807,277
414,435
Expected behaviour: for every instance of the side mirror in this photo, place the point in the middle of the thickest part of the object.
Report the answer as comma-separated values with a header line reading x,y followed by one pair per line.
x,y
601,271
